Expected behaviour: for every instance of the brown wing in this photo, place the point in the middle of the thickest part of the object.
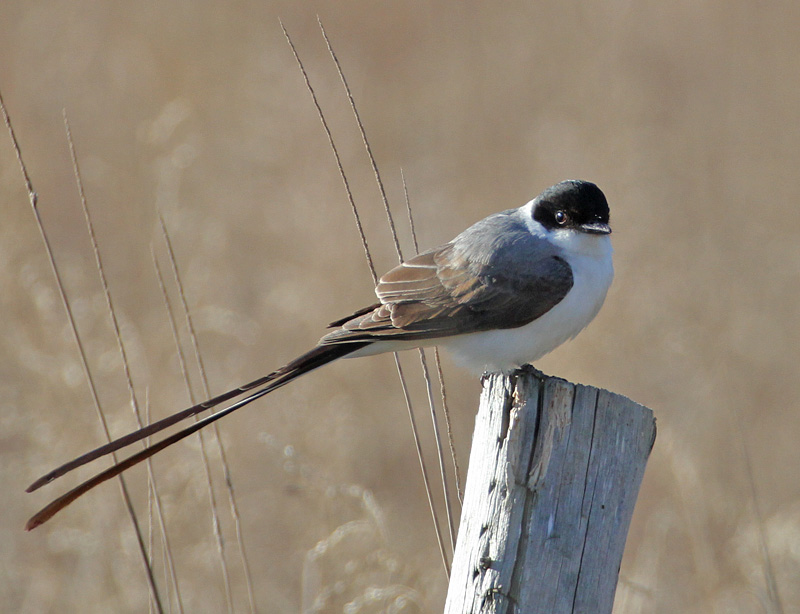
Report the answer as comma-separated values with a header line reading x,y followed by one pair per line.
x,y
441,293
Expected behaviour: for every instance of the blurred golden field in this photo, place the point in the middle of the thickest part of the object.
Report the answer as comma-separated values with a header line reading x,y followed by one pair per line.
x,y
686,114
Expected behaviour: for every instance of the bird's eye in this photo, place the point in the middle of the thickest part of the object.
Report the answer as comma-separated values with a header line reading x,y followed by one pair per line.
x,y
562,218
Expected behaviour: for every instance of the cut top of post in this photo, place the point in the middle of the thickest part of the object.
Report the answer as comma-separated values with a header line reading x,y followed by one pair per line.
x,y
553,477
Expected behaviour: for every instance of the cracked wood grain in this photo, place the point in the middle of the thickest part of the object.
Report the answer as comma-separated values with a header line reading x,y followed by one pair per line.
x,y
553,477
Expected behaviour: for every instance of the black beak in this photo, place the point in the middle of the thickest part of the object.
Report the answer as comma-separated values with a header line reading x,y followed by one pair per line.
x,y
595,228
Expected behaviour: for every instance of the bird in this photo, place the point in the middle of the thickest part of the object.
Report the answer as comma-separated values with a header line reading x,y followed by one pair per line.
x,y
500,295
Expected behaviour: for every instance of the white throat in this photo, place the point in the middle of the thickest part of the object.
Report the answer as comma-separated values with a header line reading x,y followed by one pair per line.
x,y
590,258
503,350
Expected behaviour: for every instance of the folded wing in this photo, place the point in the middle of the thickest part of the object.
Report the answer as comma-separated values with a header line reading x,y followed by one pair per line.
x,y
460,288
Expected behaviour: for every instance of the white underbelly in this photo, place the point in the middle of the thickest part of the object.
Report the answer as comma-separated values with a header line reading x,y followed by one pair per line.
x,y
508,349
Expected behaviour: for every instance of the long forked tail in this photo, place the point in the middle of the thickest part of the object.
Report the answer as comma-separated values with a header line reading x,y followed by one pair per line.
x,y
317,357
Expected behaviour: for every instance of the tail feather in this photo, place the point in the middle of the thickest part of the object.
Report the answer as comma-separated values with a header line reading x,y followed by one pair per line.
x,y
147,431
309,361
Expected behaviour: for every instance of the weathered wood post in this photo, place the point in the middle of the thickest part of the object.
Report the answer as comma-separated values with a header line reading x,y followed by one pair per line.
x,y
554,472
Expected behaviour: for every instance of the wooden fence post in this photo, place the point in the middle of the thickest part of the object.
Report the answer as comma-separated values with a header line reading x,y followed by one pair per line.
x,y
553,476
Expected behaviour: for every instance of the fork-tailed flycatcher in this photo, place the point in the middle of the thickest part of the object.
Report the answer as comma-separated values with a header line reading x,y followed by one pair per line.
x,y
502,294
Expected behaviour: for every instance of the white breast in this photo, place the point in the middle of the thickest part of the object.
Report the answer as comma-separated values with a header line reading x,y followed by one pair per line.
x,y
590,257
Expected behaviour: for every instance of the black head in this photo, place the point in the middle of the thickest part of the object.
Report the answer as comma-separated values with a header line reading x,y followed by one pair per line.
x,y
577,205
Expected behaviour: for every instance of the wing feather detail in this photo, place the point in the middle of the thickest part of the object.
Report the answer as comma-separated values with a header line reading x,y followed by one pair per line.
x,y
462,287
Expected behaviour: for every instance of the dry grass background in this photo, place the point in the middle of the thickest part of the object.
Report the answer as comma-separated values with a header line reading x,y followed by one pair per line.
x,y
685,113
